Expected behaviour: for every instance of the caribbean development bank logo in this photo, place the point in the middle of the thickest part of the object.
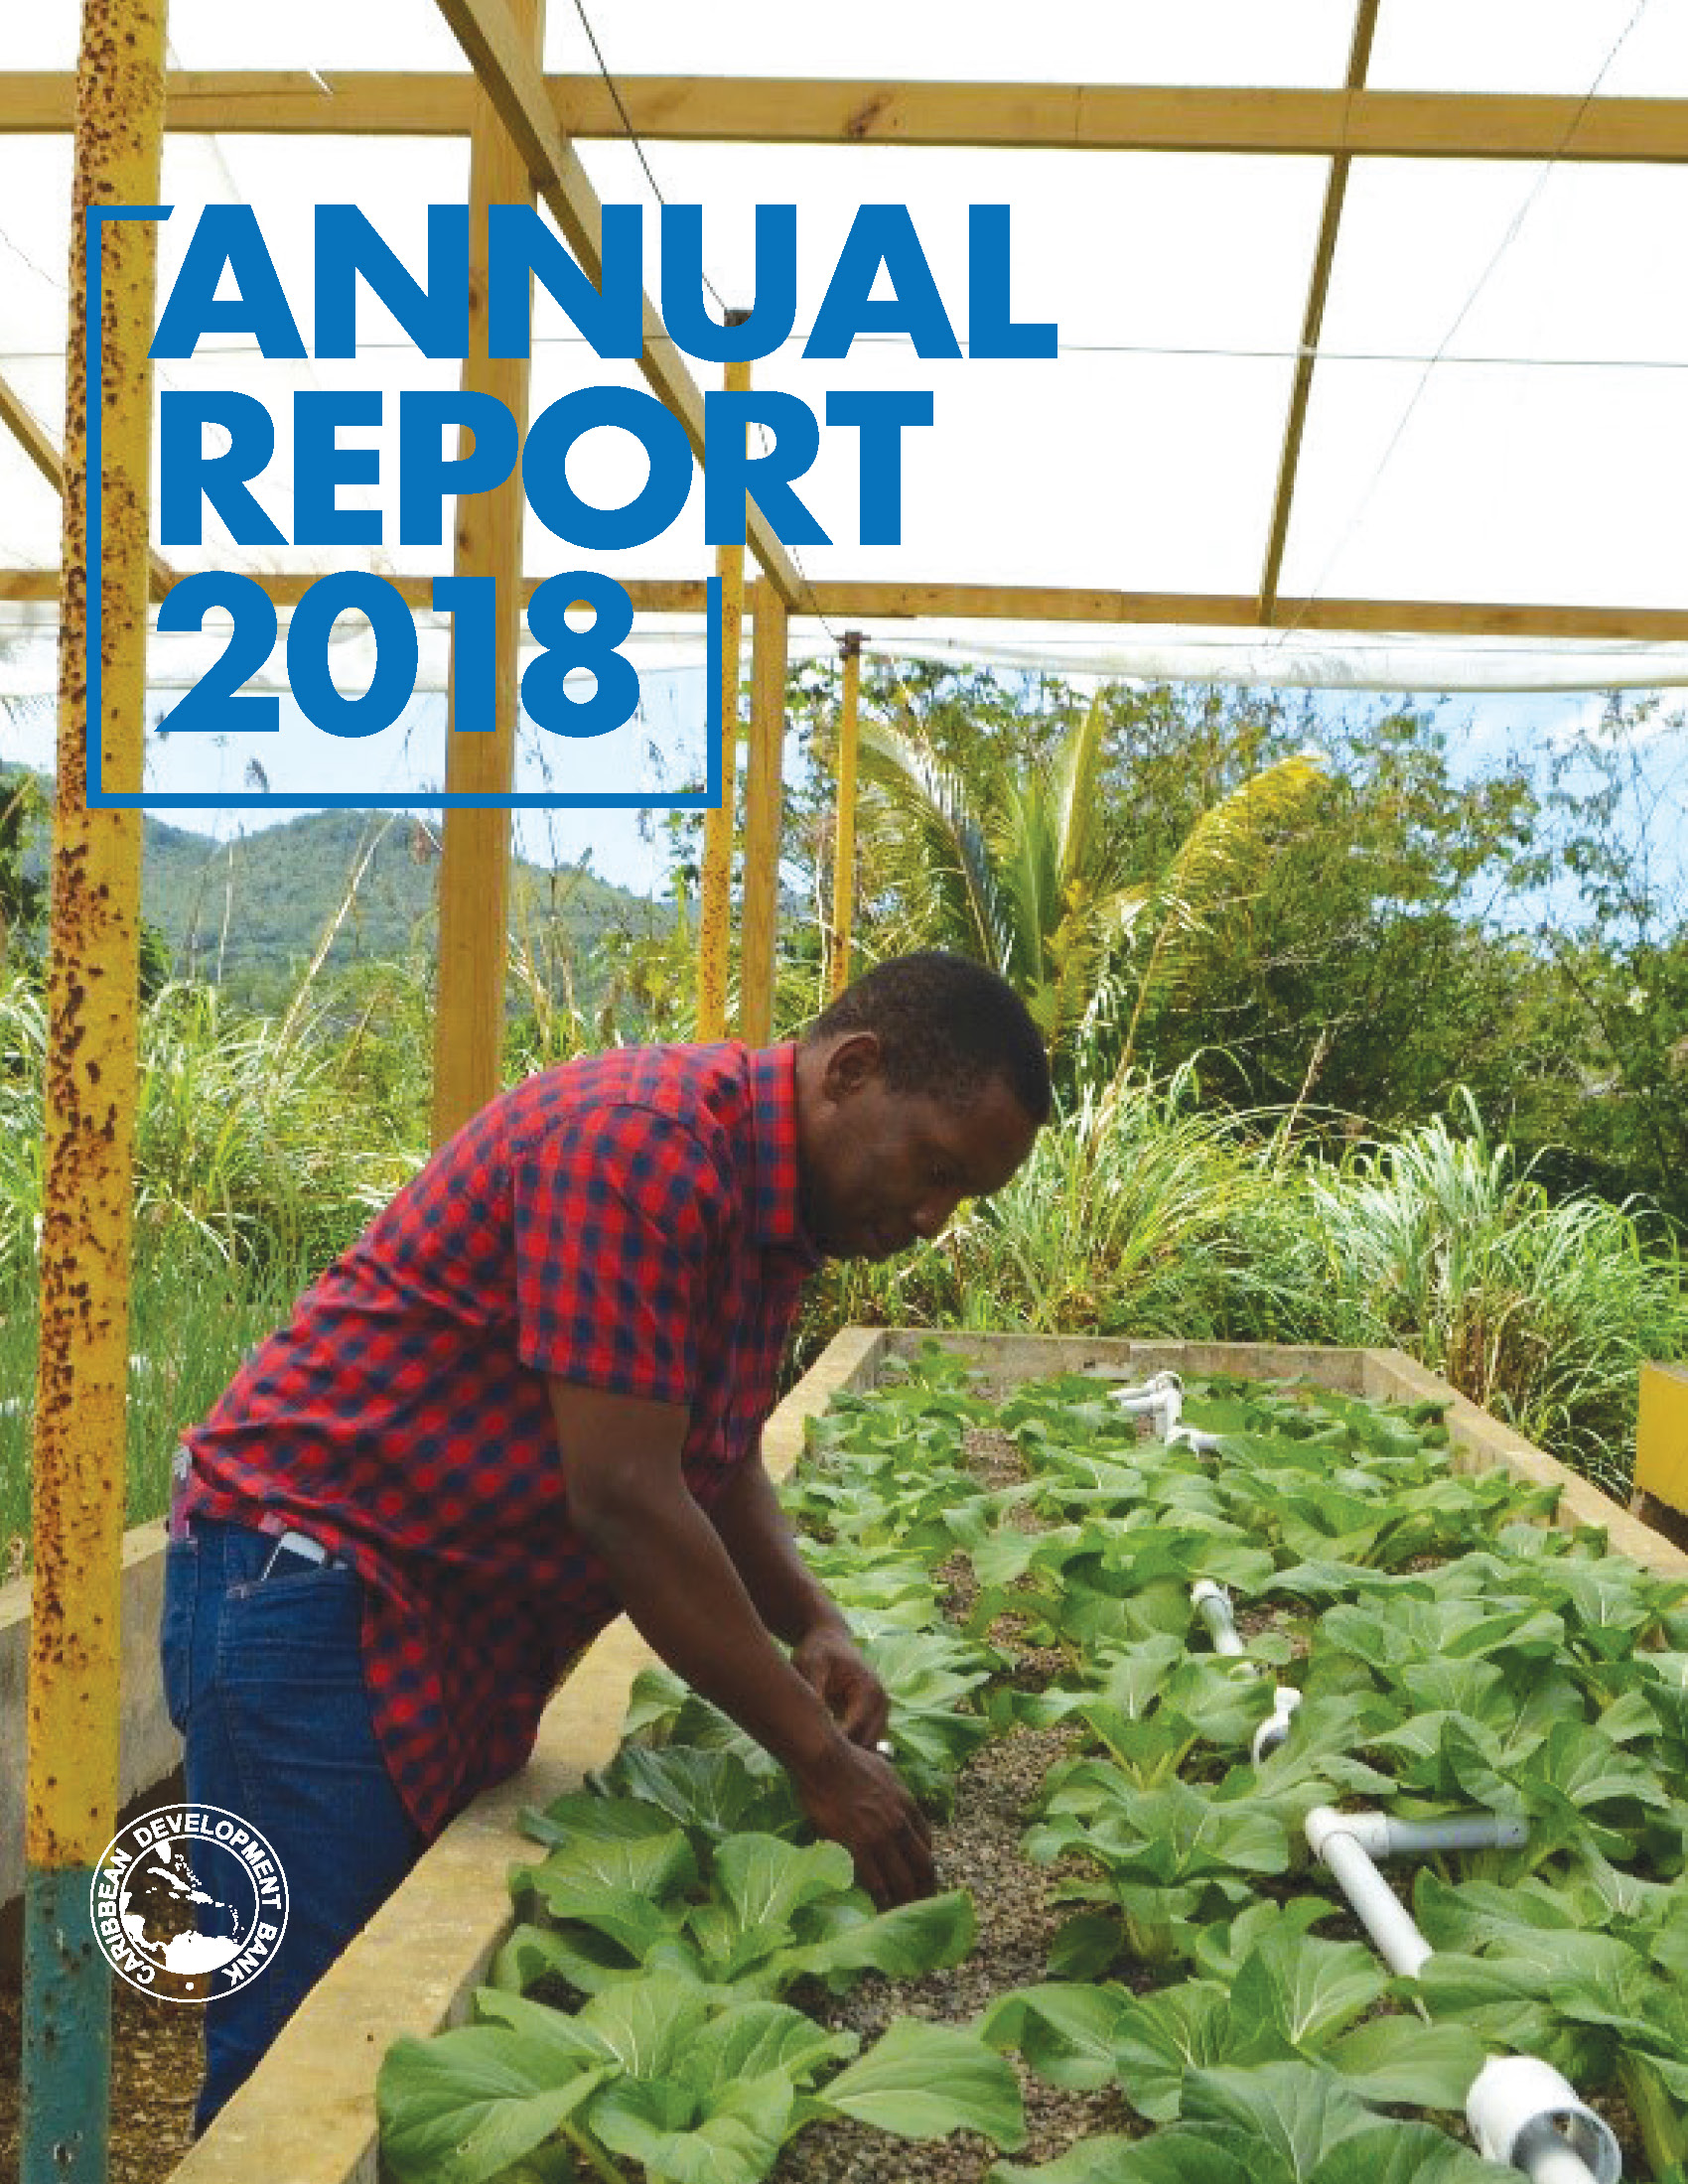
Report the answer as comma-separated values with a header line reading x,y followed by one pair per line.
x,y
189,1902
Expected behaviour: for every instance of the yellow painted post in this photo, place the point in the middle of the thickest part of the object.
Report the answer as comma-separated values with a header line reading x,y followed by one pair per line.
x,y
82,1364
844,834
1661,1435
715,885
764,778
475,863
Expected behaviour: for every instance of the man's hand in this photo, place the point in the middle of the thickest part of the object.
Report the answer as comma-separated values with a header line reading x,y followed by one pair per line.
x,y
854,1798
827,1659
682,1580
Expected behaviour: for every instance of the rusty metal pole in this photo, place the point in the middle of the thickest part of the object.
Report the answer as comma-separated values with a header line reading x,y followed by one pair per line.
x,y
715,887
765,768
475,862
79,1439
844,835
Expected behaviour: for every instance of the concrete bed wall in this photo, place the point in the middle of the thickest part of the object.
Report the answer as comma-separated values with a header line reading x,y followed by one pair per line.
x,y
149,1750
307,2117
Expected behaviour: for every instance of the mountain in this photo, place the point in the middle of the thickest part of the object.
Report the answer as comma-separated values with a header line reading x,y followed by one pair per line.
x,y
254,911
263,901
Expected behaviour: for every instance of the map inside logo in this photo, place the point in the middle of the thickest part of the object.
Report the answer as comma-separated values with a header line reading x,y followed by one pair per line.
x,y
189,1902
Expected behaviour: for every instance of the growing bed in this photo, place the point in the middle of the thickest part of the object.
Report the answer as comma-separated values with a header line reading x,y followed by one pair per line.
x,y
1160,1986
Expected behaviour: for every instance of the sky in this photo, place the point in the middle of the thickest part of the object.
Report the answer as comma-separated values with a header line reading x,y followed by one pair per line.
x,y
1497,414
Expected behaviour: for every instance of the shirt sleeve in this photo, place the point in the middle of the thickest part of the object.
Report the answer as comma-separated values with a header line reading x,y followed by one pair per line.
x,y
617,1218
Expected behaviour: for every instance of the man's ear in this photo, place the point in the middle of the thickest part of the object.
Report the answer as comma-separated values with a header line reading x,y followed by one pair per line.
x,y
855,1061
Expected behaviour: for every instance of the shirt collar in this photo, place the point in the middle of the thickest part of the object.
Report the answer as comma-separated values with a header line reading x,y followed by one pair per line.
x,y
777,1210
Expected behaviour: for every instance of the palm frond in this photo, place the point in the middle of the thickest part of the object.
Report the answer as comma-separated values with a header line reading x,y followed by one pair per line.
x,y
1219,861
1077,801
945,820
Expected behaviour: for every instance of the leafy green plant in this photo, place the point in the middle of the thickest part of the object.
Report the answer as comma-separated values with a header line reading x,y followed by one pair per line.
x,y
1281,2123
1291,1997
658,2073
625,1891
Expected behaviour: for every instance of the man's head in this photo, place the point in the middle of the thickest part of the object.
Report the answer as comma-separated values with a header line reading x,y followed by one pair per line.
x,y
923,1084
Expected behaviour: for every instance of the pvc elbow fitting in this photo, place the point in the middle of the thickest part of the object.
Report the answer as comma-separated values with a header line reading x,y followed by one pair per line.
x,y
1522,2111
1148,1394
1275,1730
1213,1605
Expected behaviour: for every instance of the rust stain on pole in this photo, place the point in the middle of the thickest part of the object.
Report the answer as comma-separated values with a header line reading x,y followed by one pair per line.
x,y
93,1004
715,889
83,1362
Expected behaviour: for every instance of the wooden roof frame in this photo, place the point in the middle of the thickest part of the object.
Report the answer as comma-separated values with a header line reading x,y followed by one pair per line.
x,y
675,109
545,113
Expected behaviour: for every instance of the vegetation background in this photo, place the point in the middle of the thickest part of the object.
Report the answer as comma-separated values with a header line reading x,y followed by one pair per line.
x,y
1355,1042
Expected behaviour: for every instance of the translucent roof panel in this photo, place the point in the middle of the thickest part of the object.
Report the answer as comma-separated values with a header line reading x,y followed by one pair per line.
x,y
1144,456
1521,437
1063,42
1552,45
1504,356
1060,42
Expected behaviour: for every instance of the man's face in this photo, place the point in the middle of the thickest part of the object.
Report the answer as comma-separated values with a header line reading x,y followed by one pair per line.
x,y
882,1169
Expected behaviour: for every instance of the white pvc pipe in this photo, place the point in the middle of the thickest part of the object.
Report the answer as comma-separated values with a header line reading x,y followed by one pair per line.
x,y
1373,1902
1276,1727
1381,1836
1554,2162
1146,1395
1520,2110
1212,1604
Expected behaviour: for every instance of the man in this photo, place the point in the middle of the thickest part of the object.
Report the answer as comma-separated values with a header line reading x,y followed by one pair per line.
x,y
530,1398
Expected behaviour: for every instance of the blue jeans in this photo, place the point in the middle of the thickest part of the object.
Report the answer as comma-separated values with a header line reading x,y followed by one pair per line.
x,y
263,1676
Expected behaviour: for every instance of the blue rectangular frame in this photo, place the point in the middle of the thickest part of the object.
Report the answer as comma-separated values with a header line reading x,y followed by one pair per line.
x,y
101,798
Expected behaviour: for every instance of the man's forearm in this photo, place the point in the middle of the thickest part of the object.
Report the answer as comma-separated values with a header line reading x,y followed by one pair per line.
x,y
752,1526
676,1576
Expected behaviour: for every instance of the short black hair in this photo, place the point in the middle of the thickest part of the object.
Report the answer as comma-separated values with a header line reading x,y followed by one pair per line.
x,y
946,1025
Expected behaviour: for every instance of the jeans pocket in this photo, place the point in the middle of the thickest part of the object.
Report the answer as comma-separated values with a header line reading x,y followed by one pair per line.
x,y
176,1628
301,1622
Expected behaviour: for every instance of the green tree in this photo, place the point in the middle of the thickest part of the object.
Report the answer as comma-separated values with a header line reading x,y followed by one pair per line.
x,y
1028,864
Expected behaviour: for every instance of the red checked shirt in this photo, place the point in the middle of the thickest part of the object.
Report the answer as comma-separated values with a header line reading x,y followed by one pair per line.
x,y
628,1222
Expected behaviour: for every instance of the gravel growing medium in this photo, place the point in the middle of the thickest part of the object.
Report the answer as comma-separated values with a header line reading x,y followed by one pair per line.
x,y
977,1849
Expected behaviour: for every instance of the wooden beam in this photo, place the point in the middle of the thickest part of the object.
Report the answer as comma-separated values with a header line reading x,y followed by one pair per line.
x,y
516,88
868,603
37,443
474,857
764,774
1007,116
844,773
910,601
1312,322
720,826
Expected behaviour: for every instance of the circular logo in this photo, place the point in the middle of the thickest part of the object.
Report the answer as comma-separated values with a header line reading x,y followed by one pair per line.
x,y
189,1903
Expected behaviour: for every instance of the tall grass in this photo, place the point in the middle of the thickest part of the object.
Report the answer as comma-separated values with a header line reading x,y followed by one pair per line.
x,y
261,1149
245,1142
193,1317
1139,1214
1537,1310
